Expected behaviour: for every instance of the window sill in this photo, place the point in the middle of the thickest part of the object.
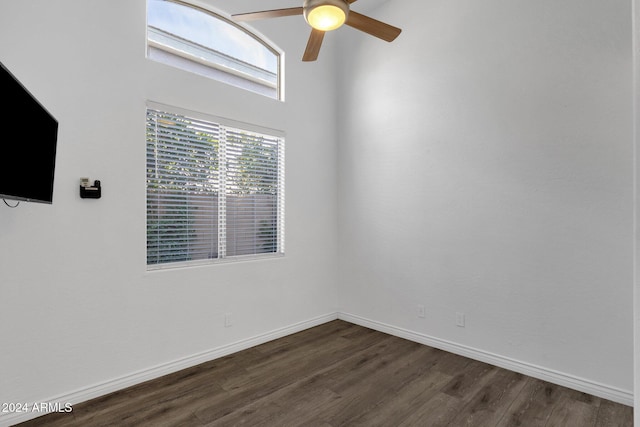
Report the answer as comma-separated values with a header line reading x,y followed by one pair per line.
x,y
211,262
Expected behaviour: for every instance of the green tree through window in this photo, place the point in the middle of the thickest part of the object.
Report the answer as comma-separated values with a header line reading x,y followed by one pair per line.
x,y
213,191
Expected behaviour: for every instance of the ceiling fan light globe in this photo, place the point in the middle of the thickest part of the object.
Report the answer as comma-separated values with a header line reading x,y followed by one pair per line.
x,y
326,15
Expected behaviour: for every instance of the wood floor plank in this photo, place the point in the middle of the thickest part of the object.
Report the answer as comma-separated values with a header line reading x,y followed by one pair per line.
x,y
340,374
533,406
395,409
350,368
569,412
449,363
453,397
465,382
614,414
172,407
328,332
360,376
291,406
179,391
52,420
435,412
284,371
390,372
489,405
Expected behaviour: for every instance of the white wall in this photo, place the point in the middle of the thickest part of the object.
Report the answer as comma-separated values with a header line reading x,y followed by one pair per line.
x,y
77,307
486,167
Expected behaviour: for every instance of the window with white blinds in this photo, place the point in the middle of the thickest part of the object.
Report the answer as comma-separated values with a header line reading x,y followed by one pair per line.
x,y
214,191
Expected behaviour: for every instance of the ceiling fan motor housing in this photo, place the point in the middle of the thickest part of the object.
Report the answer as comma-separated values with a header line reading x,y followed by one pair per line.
x,y
310,5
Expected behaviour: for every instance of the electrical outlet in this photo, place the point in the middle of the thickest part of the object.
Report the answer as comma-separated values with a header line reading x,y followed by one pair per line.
x,y
420,310
460,319
228,320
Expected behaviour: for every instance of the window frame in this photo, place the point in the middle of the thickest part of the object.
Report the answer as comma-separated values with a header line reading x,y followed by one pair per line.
x,y
217,14
221,227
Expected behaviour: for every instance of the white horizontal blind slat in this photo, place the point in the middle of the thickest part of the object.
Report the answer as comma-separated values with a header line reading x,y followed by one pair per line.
x,y
252,190
182,188
213,191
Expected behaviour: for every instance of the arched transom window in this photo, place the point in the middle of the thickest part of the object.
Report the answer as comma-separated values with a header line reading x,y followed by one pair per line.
x,y
203,42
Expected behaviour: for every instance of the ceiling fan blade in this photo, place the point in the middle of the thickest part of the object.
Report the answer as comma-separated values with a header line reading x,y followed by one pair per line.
x,y
372,26
352,1
265,14
313,45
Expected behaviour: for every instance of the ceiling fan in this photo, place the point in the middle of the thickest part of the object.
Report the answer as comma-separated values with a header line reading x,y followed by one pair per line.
x,y
323,16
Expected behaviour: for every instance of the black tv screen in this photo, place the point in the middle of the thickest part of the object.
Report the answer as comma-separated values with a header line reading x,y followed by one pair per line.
x,y
27,145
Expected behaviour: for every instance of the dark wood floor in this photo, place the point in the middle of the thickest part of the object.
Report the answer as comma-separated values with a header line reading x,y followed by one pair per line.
x,y
340,374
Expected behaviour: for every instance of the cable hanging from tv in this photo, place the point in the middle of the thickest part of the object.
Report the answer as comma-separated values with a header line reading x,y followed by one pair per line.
x,y
12,207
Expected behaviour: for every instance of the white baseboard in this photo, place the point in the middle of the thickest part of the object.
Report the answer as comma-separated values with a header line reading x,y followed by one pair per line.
x,y
601,390
101,389
596,389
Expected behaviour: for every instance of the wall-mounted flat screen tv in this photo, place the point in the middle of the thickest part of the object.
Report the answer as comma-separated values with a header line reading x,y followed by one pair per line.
x,y
27,144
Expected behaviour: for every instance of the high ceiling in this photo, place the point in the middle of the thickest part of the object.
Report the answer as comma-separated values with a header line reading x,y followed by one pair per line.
x,y
239,6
